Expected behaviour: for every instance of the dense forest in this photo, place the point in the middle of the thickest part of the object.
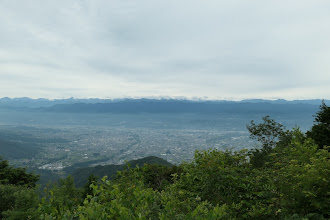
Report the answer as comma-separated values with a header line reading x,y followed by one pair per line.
x,y
286,178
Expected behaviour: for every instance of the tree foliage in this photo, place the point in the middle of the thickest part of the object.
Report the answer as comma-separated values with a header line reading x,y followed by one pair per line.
x,y
270,134
320,132
18,196
18,202
16,176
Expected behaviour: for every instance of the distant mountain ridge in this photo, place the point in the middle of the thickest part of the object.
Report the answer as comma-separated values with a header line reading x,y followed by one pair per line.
x,y
183,106
42,102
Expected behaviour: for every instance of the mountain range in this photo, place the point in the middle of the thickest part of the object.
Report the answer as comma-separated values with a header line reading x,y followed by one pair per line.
x,y
42,102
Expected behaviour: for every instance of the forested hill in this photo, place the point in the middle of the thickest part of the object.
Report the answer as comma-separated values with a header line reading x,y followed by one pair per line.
x,y
183,106
81,175
15,150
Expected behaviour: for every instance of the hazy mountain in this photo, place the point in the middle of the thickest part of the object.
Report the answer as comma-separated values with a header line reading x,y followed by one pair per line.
x,y
37,103
41,102
184,106
283,101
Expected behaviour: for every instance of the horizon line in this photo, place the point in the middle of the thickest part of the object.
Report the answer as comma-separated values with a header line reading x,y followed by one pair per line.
x,y
167,98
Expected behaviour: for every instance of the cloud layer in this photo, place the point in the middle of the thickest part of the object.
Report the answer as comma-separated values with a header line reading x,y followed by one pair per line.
x,y
215,49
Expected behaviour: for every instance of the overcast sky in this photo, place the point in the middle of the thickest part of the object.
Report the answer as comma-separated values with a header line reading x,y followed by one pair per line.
x,y
211,49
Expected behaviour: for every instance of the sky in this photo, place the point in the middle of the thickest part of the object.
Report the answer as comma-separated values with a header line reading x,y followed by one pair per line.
x,y
194,49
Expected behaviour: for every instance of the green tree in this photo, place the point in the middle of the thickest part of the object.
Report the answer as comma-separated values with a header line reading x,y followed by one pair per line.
x,y
18,197
18,202
16,176
301,174
268,132
62,197
158,176
320,132
271,134
88,190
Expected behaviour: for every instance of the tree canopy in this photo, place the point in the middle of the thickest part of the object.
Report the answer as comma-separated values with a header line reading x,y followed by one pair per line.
x,y
18,197
320,132
16,176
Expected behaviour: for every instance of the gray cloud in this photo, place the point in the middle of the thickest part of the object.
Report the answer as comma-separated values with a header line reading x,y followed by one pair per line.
x,y
219,49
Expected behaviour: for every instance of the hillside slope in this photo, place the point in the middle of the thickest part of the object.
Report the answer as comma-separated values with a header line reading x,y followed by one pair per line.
x,y
81,175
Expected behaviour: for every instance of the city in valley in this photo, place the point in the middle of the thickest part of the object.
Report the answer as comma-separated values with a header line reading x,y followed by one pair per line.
x,y
63,146
70,136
